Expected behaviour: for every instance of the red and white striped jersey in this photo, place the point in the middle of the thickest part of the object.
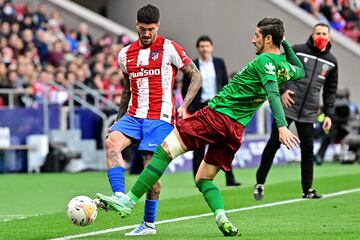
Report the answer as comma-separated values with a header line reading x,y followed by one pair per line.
x,y
152,71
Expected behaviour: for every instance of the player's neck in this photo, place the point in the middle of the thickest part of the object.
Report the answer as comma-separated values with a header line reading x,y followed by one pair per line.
x,y
271,49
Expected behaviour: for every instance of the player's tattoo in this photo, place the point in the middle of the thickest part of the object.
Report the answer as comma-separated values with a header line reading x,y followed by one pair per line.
x,y
113,159
154,192
196,80
125,98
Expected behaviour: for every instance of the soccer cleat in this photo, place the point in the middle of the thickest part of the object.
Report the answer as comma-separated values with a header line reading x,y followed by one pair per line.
x,y
119,203
142,229
311,194
100,204
259,191
226,227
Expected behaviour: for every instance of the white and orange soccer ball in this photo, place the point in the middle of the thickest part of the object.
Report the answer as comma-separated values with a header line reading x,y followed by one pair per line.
x,y
81,210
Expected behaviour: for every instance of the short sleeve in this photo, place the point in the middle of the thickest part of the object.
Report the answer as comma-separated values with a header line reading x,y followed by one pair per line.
x,y
266,69
178,55
122,60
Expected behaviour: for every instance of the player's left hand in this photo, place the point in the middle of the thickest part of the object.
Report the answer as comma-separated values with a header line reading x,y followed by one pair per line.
x,y
182,110
327,124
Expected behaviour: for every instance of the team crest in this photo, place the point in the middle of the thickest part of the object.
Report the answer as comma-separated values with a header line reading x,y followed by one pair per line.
x,y
324,69
155,55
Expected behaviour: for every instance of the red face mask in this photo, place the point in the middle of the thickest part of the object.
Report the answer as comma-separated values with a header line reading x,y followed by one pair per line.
x,y
320,42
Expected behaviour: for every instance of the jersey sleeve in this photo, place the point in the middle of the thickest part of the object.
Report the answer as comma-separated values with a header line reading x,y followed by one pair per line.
x,y
296,72
122,60
266,69
178,55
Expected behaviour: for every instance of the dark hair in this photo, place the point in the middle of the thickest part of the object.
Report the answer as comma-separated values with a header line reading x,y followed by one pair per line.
x,y
203,38
148,14
321,25
273,27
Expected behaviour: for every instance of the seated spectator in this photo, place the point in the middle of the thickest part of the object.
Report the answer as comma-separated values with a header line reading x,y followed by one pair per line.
x,y
8,13
83,35
113,87
5,29
71,39
39,17
41,44
27,23
41,88
347,13
56,56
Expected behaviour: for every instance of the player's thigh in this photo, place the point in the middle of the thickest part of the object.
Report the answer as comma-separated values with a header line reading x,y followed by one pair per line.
x,y
123,132
221,154
154,132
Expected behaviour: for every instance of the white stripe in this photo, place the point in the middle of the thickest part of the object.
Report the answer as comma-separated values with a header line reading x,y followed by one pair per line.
x,y
143,97
305,55
122,58
327,62
143,85
166,78
314,57
207,215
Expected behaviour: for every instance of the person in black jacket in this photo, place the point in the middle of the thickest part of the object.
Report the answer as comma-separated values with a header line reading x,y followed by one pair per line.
x,y
215,77
301,103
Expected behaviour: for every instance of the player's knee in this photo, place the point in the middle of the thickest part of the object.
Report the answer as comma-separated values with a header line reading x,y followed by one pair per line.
x,y
114,143
110,145
173,146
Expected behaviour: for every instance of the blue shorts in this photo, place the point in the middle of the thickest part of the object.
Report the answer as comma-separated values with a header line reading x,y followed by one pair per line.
x,y
149,132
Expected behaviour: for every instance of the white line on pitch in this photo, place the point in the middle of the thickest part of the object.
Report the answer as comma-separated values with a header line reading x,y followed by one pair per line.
x,y
110,230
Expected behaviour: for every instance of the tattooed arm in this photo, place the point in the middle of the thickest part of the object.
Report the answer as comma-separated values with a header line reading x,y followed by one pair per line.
x,y
196,80
125,98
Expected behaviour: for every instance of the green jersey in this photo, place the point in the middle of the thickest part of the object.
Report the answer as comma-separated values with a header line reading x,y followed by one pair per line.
x,y
245,93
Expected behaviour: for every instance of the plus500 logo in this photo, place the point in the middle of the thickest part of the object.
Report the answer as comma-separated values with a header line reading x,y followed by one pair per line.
x,y
145,73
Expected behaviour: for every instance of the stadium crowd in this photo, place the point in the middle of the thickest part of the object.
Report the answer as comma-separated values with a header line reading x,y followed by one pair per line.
x,y
36,48
342,15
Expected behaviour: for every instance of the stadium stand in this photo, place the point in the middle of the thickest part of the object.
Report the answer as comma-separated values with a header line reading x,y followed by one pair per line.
x,y
341,15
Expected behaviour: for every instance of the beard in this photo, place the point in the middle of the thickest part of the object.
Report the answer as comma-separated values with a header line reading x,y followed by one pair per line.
x,y
146,41
259,49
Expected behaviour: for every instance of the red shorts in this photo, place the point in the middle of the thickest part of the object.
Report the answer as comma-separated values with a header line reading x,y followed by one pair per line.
x,y
222,133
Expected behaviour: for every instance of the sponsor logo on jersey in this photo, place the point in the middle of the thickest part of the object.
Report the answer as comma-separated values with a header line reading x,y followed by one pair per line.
x,y
270,68
145,73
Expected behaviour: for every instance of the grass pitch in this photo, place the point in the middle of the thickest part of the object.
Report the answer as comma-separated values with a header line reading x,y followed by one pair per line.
x,y
33,206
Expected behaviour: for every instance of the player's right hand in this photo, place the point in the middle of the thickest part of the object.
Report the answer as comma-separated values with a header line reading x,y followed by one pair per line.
x,y
286,137
286,98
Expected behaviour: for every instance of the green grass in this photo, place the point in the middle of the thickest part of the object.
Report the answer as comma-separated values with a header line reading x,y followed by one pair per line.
x,y
43,198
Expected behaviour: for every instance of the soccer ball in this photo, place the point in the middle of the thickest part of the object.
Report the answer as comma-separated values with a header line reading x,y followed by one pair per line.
x,y
81,210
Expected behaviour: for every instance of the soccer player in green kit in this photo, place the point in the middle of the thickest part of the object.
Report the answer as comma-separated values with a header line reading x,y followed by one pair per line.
x,y
221,124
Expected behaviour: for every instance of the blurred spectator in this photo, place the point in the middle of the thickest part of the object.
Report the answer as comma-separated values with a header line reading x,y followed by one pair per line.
x,y
56,56
39,17
347,13
83,34
41,88
27,23
113,87
5,29
71,39
41,45
8,13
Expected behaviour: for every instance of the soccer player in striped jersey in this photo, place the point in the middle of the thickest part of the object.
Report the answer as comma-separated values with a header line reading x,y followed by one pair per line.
x,y
147,110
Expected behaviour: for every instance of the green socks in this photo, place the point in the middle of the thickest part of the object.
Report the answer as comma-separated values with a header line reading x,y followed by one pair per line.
x,y
150,175
212,195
